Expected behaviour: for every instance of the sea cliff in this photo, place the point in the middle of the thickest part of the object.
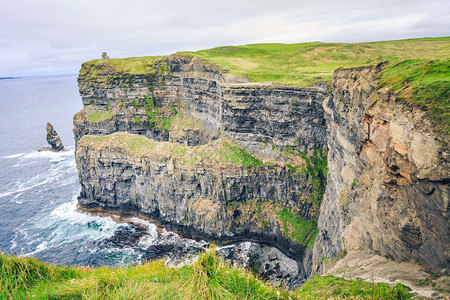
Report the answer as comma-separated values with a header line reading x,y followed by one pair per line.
x,y
315,171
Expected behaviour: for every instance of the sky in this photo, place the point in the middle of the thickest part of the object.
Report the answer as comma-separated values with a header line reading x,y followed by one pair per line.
x,y
47,37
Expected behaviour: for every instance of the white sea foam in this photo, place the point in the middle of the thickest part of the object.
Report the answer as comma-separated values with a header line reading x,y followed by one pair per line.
x,y
41,247
151,235
25,186
31,183
62,164
24,163
13,155
53,156
69,214
65,225
146,241
15,200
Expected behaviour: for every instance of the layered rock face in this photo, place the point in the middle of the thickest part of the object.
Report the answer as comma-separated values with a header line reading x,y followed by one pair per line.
x,y
388,175
173,145
220,201
257,115
253,114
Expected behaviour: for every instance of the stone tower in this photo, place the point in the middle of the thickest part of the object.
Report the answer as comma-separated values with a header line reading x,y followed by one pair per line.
x,y
105,55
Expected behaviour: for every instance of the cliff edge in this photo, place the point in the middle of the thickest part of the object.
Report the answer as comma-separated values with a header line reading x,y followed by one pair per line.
x,y
388,174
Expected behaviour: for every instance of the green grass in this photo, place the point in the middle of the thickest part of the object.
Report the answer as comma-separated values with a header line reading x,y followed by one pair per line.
x,y
130,65
295,64
234,154
207,278
302,231
423,83
329,287
20,275
99,116
220,153
306,63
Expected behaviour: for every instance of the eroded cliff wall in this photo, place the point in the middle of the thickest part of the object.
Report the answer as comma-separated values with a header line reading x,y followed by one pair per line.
x,y
388,175
206,196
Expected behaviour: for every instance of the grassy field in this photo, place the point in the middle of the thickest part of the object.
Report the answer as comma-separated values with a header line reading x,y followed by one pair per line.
x,y
300,64
207,278
307,63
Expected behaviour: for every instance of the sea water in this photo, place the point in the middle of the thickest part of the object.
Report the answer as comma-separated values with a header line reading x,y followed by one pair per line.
x,y
38,190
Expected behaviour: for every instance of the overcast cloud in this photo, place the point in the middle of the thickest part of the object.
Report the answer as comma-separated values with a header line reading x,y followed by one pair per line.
x,y
56,36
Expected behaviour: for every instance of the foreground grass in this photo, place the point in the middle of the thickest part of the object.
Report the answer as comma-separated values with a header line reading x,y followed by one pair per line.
x,y
208,278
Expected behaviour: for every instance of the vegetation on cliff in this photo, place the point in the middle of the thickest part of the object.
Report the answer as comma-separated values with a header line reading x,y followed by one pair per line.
x,y
424,83
315,168
300,230
99,116
222,152
130,65
207,278
267,214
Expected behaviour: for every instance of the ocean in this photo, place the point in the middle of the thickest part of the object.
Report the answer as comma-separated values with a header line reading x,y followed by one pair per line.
x,y
38,190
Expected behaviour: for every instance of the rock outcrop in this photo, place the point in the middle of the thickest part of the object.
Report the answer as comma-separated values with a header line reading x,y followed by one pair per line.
x,y
388,176
267,262
53,140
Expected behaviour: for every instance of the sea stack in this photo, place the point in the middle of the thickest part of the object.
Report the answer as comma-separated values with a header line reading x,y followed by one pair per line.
x,y
53,140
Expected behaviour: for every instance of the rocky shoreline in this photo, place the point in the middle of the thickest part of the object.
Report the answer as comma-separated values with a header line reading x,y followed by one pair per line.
x,y
177,250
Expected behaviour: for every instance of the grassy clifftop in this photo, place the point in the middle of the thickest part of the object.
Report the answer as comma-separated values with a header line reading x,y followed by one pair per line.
x,y
306,63
423,83
418,69
295,64
207,278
